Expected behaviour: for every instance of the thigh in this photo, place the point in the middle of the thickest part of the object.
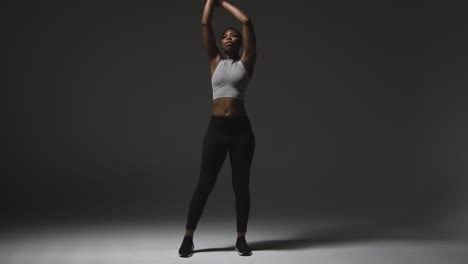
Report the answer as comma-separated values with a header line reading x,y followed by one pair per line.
x,y
214,151
241,151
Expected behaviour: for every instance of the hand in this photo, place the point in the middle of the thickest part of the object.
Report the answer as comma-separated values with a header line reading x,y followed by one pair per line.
x,y
215,2
218,2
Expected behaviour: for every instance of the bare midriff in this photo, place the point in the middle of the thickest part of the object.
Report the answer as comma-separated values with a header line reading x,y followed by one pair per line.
x,y
227,106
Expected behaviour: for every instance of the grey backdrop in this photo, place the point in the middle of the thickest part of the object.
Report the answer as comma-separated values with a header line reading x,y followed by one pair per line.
x,y
358,108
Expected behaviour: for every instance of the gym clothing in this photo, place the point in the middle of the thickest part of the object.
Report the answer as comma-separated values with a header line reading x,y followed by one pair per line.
x,y
230,79
225,134
242,248
186,249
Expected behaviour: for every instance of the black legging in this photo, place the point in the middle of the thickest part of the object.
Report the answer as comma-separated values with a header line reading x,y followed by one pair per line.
x,y
233,134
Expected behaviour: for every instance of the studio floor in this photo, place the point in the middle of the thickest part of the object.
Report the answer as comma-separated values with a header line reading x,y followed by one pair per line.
x,y
280,241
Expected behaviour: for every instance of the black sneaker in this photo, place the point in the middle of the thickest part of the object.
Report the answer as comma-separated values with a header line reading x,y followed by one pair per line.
x,y
186,249
242,248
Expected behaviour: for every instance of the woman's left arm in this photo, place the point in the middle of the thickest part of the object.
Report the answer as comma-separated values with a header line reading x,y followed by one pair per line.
x,y
249,53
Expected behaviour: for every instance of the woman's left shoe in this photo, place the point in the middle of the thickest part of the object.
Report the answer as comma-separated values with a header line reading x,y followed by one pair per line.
x,y
242,248
186,248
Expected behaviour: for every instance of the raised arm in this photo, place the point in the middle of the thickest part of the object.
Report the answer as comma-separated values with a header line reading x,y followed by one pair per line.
x,y
209,40
249,54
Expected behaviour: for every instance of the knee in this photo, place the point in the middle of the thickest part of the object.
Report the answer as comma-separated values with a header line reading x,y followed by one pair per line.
x,y
241,189
203,191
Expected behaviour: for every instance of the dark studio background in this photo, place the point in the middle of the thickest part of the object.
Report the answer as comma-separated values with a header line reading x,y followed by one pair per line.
x,y
359,109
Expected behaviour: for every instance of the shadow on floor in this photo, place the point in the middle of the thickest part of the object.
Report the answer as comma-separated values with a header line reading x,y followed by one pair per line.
x,y
344,233
308,238
214,249
314,238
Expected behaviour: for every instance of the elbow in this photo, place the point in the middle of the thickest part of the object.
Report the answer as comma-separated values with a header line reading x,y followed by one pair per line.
x,y
246,20
205,21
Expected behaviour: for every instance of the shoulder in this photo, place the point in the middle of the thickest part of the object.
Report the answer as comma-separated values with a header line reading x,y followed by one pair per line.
x,y
249,66
214,63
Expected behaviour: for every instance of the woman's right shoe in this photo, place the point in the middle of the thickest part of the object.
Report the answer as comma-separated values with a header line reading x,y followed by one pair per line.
x,y
242,248
186,249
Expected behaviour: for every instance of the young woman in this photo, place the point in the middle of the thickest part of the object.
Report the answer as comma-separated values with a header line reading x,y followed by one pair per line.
x,y
229,129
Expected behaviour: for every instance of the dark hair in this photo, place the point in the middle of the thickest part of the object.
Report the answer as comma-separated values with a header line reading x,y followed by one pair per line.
x,y
237,31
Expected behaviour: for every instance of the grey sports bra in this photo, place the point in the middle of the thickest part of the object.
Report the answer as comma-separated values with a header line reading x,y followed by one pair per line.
x,y
230,79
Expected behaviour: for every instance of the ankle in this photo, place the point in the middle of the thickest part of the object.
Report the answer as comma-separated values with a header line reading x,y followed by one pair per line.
x,y
189,232
239,235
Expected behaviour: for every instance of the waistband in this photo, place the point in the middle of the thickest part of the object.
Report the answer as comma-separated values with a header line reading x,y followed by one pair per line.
x,y
232,118
229,124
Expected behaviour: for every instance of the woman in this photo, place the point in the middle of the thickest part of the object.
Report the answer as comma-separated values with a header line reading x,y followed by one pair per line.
x,y
229,128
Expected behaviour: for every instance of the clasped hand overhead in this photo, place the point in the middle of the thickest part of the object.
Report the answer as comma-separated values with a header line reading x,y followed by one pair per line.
x,y
215,2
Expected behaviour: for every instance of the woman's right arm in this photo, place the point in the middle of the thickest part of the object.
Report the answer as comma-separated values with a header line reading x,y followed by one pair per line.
x,y
209,40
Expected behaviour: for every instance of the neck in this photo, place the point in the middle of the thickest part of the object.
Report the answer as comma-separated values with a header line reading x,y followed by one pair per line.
x,y
232,56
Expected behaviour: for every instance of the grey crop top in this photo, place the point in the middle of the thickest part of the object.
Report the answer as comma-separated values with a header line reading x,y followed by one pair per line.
x,y
230,79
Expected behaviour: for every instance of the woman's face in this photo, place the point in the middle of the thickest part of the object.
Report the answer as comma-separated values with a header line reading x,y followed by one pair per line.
x,y
231,41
